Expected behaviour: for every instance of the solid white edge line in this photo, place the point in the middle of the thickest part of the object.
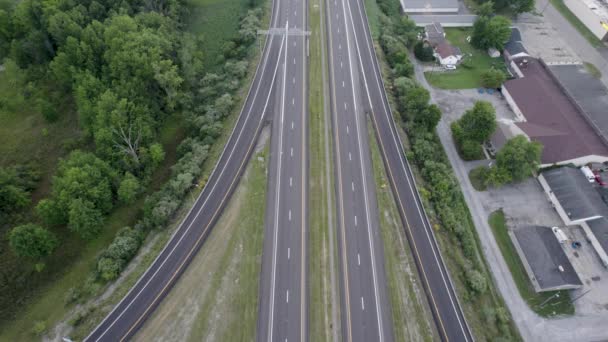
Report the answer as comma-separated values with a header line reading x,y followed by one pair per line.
x,y
264,63
278,202
363,179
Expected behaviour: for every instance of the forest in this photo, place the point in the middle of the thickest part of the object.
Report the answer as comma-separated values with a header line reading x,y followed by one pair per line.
x,y
125,69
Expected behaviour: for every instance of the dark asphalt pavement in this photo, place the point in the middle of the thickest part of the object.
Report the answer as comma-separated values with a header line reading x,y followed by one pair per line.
x,y
365,308
154,284
440,292
282,309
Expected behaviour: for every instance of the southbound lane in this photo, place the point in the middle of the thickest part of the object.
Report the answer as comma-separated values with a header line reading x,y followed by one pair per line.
x,y
154,284
282,310
365,308
442,298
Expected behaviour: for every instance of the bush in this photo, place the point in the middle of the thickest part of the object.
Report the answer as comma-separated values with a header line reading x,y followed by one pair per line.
x,y
423,52
39,328
493,78
476,281
114,258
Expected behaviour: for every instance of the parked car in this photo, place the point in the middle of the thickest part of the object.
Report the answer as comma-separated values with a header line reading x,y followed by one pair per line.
x,y
449,67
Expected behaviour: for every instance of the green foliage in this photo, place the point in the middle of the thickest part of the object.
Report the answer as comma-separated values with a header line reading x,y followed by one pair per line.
x,y
84,219
493,78
39,328
115,258
476,281
519,158
32,241
129,188
423,52
491,32
513,6
485,9
478,123
16,184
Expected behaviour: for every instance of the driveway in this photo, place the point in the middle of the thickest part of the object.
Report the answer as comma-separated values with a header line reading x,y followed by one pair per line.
x,y
531,326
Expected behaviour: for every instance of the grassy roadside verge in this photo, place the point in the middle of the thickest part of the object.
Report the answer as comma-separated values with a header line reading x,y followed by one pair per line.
x,y
223,306
545,304
321,321
575,21
410,312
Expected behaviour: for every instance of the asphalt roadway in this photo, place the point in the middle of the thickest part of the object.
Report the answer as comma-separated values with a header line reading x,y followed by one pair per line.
x,y
439,289
154,284
283,299
365,308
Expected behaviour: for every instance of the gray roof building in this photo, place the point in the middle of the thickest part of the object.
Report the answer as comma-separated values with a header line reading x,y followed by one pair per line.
x,y
429,6
588,92
598,236
544,259
434,33
576,200
447,20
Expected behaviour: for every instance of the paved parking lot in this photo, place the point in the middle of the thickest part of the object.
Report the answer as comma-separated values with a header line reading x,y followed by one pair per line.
x,y
541,39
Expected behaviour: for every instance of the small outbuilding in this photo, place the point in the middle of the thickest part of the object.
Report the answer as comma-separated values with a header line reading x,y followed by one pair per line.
x,y
447,54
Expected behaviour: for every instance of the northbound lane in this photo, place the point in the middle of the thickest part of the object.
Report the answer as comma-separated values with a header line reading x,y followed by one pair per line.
x,y
441,295
365,310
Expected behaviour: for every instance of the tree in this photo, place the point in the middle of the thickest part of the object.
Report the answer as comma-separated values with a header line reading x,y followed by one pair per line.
x,y
479,122
128,189
84,219
516,6
428,117
423,52
476,281
519,158
493,78
486,9
491,32
32,241
13,195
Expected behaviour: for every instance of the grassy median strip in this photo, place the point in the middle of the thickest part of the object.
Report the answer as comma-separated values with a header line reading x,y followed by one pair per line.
x,y
410,312
545,304
322,326
576,22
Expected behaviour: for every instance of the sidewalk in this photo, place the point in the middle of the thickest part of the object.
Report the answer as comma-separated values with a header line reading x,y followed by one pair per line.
x,y
531,326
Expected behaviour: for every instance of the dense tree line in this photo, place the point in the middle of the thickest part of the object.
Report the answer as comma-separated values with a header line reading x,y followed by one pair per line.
x,y
420,119
129,67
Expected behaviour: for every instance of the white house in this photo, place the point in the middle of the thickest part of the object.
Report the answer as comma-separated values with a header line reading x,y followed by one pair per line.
x,y
447,54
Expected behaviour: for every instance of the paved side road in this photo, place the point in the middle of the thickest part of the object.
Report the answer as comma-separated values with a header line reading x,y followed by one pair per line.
x,y
578,43
531,326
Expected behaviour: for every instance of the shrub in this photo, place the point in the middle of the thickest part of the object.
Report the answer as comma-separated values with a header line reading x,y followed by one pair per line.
x,y
476,281
423,52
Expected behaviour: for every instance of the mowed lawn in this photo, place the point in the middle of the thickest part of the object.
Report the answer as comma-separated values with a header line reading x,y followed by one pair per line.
x,y
467,75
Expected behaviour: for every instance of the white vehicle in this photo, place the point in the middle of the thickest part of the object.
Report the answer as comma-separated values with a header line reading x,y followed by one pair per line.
x,y
588,173
560,235
449,67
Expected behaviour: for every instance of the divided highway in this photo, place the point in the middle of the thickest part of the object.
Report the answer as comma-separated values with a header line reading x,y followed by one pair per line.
x,y
282,310
154,284
442,298
365,308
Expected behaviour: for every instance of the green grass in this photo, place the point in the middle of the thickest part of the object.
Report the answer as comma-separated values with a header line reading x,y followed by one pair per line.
x,y
539,302
476,177
467,75
373,17
574,21
409,308
239,321
321,325
216,21
593,70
